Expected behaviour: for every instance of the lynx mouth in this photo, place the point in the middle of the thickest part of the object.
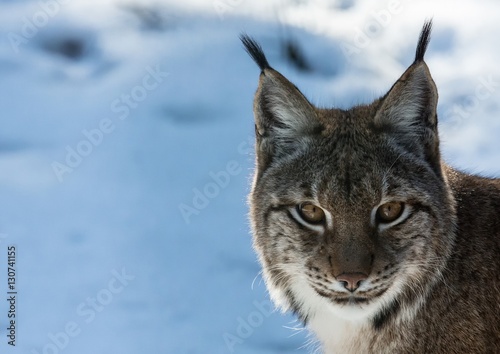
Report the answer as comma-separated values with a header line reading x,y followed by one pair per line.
x,y
356,300
351,300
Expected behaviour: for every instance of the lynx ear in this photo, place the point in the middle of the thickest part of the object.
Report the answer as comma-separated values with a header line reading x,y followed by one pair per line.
x,y
284,118
282,113
408,110
410,105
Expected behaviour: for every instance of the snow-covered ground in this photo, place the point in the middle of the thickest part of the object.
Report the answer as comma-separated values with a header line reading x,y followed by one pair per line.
x,y
126,151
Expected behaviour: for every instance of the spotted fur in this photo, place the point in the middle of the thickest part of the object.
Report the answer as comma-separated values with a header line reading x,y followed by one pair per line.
x,y
431,277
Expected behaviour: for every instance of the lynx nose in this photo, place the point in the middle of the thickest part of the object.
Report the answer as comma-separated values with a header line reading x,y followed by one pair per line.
x,y
351,281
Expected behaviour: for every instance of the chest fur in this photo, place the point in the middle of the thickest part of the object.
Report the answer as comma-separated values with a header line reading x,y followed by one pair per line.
x,y
339,335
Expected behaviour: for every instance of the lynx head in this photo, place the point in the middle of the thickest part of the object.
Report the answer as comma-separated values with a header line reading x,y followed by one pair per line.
x,y
350,209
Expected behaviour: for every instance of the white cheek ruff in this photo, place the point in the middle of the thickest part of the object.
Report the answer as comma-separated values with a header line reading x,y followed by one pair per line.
x,y
318,228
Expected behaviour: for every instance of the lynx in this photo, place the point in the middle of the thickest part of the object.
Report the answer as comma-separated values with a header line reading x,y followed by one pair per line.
x,y
375,243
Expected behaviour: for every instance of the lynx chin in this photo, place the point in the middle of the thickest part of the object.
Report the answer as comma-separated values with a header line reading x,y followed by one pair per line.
x,y
363,231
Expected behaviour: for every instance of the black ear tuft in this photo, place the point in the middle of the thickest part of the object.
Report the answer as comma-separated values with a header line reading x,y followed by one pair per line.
x,y
423,40
255,51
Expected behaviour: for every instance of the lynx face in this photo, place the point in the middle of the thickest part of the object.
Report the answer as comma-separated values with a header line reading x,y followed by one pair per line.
x,y
355,218
350,208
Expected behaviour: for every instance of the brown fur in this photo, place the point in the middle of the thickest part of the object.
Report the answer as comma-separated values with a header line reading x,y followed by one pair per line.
x,y
431,278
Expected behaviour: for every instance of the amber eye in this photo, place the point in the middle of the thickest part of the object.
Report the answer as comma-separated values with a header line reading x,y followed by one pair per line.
x,y
311,213
389,212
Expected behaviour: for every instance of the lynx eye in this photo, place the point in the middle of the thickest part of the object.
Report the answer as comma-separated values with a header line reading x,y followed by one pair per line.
x,y
389,212
311,213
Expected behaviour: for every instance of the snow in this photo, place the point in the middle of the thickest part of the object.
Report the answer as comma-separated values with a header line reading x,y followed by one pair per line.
x,y
155,98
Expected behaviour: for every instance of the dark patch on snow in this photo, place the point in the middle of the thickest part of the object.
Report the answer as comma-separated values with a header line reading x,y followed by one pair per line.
x,y
71,48
345,4
73,45
151,18
190,114
12,146
294,54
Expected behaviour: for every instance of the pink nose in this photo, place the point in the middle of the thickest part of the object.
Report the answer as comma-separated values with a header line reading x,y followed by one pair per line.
x,y
351,281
